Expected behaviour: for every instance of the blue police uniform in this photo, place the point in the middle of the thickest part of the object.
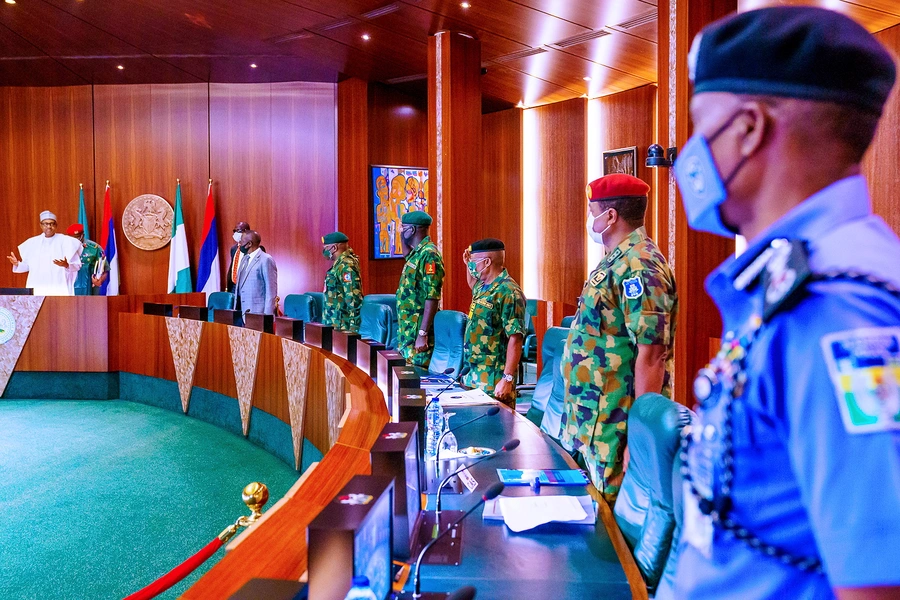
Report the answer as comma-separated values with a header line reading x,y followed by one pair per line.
x,y
793,483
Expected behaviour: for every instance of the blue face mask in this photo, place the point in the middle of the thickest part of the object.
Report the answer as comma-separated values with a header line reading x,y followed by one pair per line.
x,y
702,188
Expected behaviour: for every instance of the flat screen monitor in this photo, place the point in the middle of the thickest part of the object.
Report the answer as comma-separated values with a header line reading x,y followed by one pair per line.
x,y
372,547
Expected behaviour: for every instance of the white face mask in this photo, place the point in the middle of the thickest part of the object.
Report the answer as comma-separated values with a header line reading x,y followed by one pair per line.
x,y
597,238
236,237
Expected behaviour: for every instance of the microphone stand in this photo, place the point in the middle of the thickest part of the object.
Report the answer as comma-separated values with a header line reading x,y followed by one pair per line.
x,y
507,447
489,494
462,373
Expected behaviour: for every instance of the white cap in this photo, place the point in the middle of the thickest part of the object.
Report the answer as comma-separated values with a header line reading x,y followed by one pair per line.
x,y
47,216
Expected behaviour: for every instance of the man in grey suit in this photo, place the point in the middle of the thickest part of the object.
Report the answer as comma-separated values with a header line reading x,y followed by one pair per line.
x,y
257,277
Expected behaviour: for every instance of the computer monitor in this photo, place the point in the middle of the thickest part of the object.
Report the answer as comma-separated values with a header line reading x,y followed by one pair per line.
x,y
353,536
395,454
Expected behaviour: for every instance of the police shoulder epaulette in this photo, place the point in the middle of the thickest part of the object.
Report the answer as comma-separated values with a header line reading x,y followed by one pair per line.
x,y
782,269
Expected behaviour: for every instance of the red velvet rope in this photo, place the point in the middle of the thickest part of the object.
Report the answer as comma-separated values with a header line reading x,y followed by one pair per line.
x,y
178,573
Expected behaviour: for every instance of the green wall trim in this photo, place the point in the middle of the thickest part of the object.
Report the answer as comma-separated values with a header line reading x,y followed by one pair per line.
x,y
48,385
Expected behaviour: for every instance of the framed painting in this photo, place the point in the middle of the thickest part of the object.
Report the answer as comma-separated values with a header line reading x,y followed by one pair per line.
x,y
395,192
621,160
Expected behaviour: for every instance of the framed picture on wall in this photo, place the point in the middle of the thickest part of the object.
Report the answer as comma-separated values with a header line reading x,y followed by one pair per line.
x,y
621,160
395,192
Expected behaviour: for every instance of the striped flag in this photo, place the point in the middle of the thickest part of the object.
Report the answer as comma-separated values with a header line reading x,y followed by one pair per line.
x,y
82,212
179,265
110,286
209,277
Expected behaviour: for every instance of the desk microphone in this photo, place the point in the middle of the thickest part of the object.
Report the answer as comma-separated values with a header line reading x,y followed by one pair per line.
x,y
490,413
489,494
507,447
462,373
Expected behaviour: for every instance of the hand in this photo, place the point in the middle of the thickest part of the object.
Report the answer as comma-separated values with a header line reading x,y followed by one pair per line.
x,y
61,262
98,281
421,343
505,390
12,258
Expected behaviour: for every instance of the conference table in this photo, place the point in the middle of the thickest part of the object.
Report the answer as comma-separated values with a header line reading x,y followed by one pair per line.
x,y
306,403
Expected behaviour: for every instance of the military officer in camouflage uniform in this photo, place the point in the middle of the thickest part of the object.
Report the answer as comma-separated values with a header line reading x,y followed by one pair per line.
x,y
495,330
419,290
88,280
621,342
343,287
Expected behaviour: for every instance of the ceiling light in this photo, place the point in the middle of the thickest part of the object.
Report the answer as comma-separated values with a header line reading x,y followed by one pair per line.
x,y
586,78
120,67
252,65
366,37
466,5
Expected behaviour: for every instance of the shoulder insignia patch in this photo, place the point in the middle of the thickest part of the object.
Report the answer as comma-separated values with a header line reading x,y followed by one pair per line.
x,y
429,268
864,365
598,277
346,276
633,288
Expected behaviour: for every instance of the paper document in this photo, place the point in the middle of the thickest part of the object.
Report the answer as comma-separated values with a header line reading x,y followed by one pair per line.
x,y
474,397
527,512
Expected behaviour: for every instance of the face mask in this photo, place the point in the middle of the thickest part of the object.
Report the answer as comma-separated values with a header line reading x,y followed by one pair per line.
x,y
473,268
245,249
327,253
407,234
236,236
597,238
702,188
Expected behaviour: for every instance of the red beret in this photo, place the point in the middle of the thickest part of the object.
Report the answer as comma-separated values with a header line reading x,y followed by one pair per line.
x,y
75,229
617,185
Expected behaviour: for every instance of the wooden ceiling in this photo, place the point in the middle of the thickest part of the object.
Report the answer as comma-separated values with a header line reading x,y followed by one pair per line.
x,y
535,51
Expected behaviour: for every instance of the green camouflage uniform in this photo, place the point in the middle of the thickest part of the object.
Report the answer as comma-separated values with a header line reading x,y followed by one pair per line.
x,y
421,280
343,293
496,314
91,254
629,299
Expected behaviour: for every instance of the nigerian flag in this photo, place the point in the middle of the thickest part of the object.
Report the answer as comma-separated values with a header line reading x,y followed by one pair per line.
x,y
179,265
82,212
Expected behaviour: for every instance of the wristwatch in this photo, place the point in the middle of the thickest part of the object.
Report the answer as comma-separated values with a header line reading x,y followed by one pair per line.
x,y
508,377
422,332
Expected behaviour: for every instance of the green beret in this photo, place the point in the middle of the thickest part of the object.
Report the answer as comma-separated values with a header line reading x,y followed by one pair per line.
x,y
486,245
335,238
416,217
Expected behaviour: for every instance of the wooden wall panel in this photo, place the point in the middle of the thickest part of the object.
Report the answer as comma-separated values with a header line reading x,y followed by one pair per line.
x,y
147,136
148,353
881,165
69,334
398,135
562,238
500,204
46,141
273,160
629,119
270,393
215,369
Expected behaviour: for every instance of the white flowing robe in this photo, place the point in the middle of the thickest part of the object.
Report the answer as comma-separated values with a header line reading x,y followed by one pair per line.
x,y
46,278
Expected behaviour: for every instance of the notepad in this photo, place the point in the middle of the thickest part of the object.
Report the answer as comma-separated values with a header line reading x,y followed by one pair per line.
x,y
545,476
527,512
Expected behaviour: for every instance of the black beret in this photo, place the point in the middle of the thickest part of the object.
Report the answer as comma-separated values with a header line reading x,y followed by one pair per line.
x,y
486,245
795,52
335,238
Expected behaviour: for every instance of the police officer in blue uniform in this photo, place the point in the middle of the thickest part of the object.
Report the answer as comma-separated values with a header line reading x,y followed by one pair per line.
x,y
792,466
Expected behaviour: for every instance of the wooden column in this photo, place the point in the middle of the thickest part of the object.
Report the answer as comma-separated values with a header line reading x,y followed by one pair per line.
x,y
692,254
353,170
454,153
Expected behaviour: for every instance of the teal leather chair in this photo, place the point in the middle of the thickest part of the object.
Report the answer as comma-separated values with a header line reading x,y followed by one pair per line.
x,y
449,339
301,306
567,321
549,391
529,347
219,300
377,323
390,301
319,299
646,505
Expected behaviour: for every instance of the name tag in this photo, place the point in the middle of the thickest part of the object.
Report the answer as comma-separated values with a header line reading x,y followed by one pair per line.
x,y
484,302
596,279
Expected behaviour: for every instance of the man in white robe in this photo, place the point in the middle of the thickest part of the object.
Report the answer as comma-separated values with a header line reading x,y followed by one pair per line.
x,y
52,261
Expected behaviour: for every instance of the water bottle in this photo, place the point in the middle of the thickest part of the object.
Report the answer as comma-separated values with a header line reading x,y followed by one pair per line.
x,y
360,590
434,423
449,444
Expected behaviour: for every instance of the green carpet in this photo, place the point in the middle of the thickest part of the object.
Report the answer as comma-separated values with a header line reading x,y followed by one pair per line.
x,y
99,498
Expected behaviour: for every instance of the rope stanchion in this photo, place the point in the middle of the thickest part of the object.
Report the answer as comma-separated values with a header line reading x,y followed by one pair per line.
x,y
178,573
254,496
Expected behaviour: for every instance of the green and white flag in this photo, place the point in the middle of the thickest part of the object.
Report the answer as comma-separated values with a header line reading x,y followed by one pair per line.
x,y
179,264
82,212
